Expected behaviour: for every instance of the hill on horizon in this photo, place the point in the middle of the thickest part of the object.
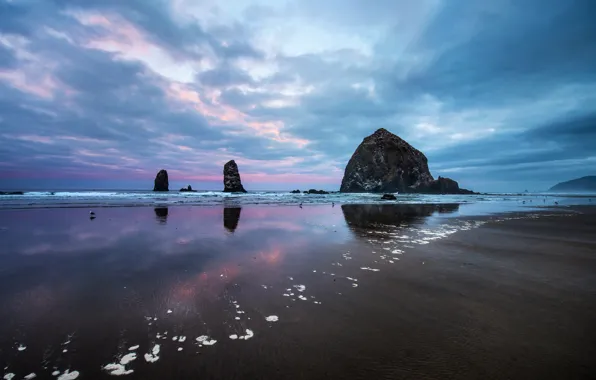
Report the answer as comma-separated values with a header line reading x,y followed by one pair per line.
x,y
583,184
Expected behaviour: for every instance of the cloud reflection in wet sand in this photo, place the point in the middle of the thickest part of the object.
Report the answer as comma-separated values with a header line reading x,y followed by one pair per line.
x,y
141,276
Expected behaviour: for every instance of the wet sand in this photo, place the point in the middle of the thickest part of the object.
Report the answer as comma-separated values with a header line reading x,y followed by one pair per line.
x,y
359,292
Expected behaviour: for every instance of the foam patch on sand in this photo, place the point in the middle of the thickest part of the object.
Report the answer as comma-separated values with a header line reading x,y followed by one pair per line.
x,y
233,336
67,375
300,288
154,355
370,269
181,339
272,318
116,369
132,348
128,358
21,347
206,341
30,376
9,376
249,334
55,373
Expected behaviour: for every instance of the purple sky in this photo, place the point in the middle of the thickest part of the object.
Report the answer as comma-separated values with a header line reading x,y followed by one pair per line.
x,y
103,93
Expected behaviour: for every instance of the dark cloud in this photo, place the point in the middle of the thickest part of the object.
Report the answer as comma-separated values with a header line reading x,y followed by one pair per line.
x,y
493,92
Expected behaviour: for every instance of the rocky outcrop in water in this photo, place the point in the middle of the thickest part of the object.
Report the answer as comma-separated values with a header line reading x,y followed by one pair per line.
x,y
232,182
314,191
161,181
295,192
11,193
187,189
388,197
384,163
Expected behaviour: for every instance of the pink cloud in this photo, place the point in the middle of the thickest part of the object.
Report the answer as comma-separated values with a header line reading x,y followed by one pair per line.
x,y
44,87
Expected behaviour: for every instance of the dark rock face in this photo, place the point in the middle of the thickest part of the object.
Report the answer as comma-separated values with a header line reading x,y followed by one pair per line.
x,y
232,183
583,184
295,192
314,191
384,163
441,185
161,181
388,197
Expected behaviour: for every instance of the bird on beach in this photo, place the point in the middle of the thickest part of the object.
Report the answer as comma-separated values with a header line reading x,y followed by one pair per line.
x,y
91,213
556,202
300,205
332,204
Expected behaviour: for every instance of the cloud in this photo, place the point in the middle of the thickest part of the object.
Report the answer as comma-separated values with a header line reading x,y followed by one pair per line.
x,y
119,89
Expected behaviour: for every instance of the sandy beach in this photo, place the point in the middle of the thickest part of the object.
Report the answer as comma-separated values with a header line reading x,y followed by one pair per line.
x,y
350,292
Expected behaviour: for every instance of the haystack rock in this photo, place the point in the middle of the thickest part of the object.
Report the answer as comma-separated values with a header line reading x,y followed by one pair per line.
x,y
384,163
232,182
161,181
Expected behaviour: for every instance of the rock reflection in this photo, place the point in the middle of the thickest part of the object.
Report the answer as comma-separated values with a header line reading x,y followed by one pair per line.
x,y
231,217
371,216
161,213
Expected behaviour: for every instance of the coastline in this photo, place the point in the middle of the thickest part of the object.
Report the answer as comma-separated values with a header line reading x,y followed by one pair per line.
x,y
390,291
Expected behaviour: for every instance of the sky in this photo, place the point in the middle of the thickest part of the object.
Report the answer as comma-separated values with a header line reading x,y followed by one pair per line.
x,y
499,95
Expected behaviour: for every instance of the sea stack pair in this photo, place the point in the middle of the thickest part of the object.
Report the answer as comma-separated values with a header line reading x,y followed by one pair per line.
x,y
232,182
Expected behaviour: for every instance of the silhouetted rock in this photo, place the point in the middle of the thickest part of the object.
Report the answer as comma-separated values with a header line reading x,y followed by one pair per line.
x,y
232,182
388,197
187,190
231,217
313,191
161,213
383,162
161,181
295,192
440,185
11,193
580,185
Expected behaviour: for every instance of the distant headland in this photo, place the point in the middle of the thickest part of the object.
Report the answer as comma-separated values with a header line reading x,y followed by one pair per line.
x,y
580,185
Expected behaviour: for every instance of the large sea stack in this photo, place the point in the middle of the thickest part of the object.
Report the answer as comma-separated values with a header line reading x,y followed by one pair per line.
x,y
384,163
161,181
232,183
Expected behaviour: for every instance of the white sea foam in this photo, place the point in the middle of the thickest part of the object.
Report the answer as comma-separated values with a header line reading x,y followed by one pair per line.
x,y
181,339
169,311
21,347
128,358
205,340
370,269
249,334
300,288
233,336
67,375
9,376
116,369
272,318
154,355
55,373
30,376
132,348
180,349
